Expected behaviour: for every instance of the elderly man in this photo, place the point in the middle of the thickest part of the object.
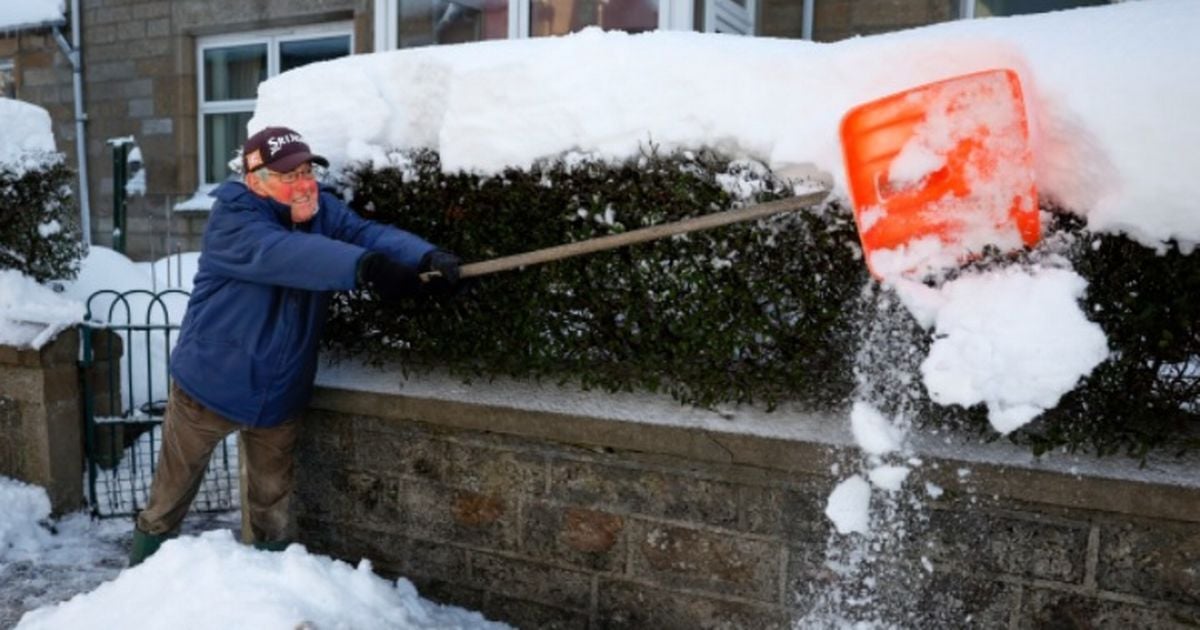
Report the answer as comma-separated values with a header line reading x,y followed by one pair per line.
x,y
275,248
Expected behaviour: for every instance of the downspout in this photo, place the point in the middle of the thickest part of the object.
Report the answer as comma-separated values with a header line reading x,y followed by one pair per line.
x,y
74,54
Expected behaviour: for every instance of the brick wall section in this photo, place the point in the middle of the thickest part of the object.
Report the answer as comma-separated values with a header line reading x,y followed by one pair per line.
x,y
555,521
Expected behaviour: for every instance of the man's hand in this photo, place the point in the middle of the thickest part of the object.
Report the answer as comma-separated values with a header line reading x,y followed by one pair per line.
x,y
444,266
391,280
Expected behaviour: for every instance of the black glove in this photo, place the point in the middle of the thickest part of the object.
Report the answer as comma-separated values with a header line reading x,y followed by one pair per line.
x,y
445,266
392,281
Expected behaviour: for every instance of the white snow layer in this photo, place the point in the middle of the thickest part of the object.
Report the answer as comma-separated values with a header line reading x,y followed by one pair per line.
x,y
15,14
849,506
212,581
1012,339
32,314
25,506
26,139
1109,90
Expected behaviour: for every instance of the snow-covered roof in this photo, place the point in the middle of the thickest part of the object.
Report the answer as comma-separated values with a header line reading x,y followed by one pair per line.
x,y
18,15
1109,90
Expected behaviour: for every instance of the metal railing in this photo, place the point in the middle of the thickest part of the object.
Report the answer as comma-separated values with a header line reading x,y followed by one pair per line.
x,y
125,379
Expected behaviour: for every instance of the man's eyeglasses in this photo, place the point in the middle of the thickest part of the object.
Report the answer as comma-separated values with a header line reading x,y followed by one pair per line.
x,y
293,176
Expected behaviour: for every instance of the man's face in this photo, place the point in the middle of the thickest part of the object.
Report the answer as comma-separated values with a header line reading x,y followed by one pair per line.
x,y
296,189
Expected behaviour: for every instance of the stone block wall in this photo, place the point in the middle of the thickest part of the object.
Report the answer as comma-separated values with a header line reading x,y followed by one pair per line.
x,y
40,429
41,421
555,520
140,78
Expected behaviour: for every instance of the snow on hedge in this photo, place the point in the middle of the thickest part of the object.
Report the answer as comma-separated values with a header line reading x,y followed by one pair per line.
x,y
26,139
1110,91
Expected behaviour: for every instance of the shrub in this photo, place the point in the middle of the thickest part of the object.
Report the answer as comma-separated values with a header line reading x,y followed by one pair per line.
x,y
750,312
780,309
39,233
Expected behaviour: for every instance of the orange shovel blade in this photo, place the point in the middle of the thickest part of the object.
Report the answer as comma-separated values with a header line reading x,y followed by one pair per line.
x,y
939,171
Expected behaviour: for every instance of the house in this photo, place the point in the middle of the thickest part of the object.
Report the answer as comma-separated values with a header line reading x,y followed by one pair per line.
x,y
179,77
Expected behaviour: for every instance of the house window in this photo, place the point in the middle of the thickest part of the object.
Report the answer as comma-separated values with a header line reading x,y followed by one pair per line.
x,y
559,17
8,79
988,8
231,67
411,23
426,22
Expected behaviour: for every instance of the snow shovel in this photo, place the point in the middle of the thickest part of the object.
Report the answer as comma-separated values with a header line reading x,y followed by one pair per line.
x,y
641,235
940,171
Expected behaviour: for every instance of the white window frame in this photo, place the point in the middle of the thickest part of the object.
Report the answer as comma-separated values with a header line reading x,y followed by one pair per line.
x,y
8,64
673,15
273,38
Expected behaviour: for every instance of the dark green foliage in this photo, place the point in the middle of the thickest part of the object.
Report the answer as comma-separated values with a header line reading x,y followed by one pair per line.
x,y
32,202
750,312
1147,394
780,309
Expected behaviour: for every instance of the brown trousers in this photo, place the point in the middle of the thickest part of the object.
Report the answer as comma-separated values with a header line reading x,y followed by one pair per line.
x,y
190,434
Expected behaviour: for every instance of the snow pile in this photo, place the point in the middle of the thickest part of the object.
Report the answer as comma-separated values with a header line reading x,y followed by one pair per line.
x,y
25,507
1124,156
230,585
32,314
17,14
26,140
1012,339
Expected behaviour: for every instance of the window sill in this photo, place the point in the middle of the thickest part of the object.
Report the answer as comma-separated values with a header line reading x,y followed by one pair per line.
x,y
198,202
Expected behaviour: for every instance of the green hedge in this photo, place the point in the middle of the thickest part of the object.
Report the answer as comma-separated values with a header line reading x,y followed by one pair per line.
x,y
39,228
765,312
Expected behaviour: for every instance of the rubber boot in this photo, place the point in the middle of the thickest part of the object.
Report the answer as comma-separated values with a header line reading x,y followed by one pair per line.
x,y
144,546
272,545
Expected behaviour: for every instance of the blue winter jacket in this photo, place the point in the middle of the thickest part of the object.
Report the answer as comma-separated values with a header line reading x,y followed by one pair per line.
x,y
248,344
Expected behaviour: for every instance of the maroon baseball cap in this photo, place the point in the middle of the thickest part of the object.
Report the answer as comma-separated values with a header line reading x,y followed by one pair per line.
x,y
279,149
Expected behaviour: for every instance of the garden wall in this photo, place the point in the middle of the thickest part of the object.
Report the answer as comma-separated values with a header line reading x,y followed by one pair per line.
x,y
41,436
549,508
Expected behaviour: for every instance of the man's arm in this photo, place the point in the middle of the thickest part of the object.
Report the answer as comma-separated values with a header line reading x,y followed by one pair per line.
x,y
403,247
242,244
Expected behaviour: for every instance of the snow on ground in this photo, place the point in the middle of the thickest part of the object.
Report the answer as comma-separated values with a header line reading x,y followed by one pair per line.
x,y
41,567
15,14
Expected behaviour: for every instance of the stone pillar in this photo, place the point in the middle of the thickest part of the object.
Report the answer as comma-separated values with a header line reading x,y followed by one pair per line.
x,y
41,419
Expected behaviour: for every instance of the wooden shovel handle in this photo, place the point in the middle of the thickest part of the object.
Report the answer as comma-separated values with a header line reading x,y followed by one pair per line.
x,y
641,235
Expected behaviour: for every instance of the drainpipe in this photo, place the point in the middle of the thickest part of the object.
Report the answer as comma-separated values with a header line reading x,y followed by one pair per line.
x,y
73,53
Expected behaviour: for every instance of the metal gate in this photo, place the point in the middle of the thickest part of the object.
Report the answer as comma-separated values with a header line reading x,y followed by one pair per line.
x,y
126,347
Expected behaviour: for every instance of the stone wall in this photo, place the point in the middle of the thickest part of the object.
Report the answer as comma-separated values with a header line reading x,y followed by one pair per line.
x,y
41,421
40,428
555,519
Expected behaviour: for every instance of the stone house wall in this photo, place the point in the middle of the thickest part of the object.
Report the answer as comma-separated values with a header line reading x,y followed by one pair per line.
x,y
140,80
554,519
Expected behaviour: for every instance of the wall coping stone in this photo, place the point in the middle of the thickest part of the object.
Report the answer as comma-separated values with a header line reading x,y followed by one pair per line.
x,y
788,440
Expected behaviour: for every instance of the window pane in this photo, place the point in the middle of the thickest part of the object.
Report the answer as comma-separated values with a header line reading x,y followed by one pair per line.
x,y
298,52
426,22
834,20
559,17
8,83
984,8
234,72
224,134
